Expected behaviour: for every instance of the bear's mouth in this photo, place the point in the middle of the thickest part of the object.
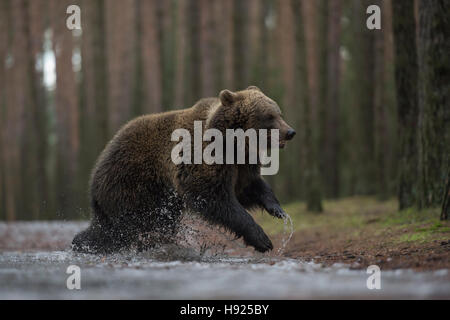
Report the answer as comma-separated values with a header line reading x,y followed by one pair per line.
x,y
282,144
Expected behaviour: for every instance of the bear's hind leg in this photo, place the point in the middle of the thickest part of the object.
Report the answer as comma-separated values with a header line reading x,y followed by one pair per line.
x,y
92,240
162,226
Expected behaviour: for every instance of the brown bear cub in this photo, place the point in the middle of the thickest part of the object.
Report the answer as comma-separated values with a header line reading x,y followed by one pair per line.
x,y
137,191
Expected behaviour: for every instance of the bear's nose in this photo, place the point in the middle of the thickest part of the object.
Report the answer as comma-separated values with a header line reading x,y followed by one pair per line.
x,y
290,134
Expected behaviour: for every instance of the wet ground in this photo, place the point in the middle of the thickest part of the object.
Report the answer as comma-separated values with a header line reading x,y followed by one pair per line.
x,y
363,231
34,258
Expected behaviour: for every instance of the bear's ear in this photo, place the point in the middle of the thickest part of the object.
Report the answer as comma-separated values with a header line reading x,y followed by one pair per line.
x,y
254,88
227,97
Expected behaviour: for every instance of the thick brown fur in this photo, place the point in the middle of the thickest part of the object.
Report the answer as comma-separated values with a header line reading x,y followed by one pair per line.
x,y
137,190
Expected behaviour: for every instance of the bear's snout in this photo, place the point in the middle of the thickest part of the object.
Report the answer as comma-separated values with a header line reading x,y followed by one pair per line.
x,y
290,134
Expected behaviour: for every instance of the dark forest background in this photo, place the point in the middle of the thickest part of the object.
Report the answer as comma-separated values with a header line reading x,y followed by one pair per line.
x,y
370,106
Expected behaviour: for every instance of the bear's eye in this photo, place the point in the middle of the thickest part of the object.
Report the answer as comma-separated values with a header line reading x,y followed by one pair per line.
x,y
270,117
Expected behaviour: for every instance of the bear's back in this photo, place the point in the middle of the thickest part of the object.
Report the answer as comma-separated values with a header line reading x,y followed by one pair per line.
x,y
141,150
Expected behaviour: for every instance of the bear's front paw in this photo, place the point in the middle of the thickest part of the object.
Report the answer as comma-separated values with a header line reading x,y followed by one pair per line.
x,y
276,211
259,240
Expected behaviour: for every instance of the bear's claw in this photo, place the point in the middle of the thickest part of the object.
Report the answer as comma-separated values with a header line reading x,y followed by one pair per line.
x,y
277,212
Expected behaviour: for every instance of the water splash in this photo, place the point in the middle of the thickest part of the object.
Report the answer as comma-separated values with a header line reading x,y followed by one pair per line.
x,y
211,240
285,240
30,268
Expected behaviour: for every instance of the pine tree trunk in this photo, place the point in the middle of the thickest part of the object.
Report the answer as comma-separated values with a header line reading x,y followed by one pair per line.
x,y
9,134
38,120
380,109
180,58
94,105
434,111
261,47
288,179
300,93
166,37
120,42
18,102
151,59
331,148
363,53
67,113
29,208
446,202
240,44
406,88
256,29
207,48
311,123
228,47
3,107
193,80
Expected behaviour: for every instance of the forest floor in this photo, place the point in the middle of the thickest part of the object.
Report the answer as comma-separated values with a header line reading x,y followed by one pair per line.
x,y
362,231
325,259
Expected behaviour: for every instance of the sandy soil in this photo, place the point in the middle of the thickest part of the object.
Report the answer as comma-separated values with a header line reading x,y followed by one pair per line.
x,y
367,249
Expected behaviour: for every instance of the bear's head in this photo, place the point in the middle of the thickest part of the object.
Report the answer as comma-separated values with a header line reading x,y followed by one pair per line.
x,y
251,108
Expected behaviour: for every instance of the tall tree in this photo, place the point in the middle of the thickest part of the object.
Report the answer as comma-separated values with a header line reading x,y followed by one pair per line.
x,y
166,37
180,58
380,103
311,123
27,143
259,32
256,30
388,137
240,44
193,62
67,112
151,58
434,111
290,176
3,52
406,87
94,88
120,44
18,100
38,121
227,30
331,114
26,98
445,212
207,48
363,62
220,36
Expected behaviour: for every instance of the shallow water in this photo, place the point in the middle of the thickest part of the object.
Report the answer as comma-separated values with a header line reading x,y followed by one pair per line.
x,y
172,272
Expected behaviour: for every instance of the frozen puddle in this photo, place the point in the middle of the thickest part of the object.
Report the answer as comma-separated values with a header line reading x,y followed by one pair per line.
x,y
34,274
